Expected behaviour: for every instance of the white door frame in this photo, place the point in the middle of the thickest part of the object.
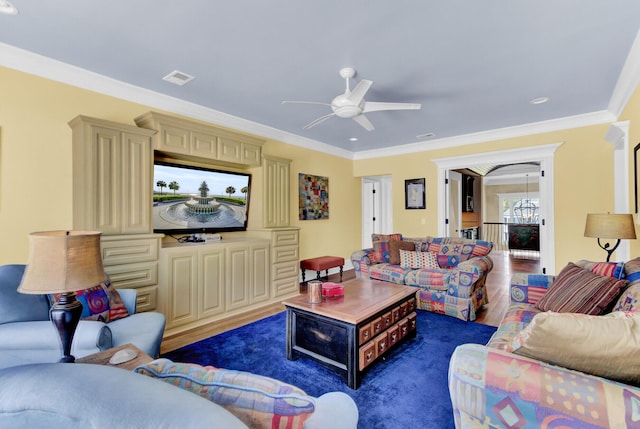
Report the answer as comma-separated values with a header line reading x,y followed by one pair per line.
x,y
384,216
544,155
453,176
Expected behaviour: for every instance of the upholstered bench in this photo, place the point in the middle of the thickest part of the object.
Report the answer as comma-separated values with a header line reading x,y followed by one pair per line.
x,y
321,263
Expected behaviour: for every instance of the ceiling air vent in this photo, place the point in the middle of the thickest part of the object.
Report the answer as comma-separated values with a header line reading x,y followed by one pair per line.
x,y
178,77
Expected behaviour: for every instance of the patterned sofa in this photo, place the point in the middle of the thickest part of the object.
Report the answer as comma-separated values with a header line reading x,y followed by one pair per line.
x,y
499,386
453,285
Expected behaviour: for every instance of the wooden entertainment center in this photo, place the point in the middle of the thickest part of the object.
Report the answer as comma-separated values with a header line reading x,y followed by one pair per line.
x,y
192,284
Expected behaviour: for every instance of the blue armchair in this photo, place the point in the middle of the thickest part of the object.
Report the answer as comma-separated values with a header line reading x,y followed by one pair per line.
x,y
28,336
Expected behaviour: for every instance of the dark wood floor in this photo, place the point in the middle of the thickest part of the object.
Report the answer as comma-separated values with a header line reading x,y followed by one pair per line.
x,y
505,263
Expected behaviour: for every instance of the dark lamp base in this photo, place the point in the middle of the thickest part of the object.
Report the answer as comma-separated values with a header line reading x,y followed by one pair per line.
x,y
65,315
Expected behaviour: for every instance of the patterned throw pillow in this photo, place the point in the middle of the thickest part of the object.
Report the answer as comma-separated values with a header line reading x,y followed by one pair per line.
x,y
260,402
418,260
609,269
382,251
606,346
395,246
576,290
102,303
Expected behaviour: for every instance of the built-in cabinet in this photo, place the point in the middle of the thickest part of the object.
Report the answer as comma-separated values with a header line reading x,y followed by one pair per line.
x,y
181,137
285,259
203,281
276,191
192,284
112,175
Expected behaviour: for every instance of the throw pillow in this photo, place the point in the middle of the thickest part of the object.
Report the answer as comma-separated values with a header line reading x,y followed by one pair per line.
x,y
418,260
395,246
102,303
609,269
381,250
260,402
605,346
576,290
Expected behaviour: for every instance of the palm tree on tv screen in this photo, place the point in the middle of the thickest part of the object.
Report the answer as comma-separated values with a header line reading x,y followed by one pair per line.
x,y
174,186
161,184
230,190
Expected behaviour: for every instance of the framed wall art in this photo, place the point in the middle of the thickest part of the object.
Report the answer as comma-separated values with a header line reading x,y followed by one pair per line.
x,y
313,196
414,194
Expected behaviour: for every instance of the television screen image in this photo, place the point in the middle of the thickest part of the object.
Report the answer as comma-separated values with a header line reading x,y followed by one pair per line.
x,y
189,199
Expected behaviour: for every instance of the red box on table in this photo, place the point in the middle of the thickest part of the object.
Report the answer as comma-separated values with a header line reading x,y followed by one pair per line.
x,y
330,289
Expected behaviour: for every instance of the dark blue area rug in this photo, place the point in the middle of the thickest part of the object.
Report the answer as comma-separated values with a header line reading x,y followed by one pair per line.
x,y
405,389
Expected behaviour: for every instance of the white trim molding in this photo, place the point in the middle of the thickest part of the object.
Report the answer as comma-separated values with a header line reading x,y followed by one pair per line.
x,y
618,136
543,154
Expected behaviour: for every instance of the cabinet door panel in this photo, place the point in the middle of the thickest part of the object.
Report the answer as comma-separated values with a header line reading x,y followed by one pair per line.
x,y
211,296
259,273
174,139
251,154
136,189
182,286
229,150
108,180
205,145
237,275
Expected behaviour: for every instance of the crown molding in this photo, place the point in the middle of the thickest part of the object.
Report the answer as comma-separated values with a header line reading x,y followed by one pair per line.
x,y
39,65
628,81
587,119
28,62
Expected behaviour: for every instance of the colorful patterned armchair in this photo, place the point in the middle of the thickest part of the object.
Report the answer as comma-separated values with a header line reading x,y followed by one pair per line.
x,y
455,286
493,387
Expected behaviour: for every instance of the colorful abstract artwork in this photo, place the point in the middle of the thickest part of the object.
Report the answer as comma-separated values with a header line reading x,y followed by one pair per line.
x,y
313,197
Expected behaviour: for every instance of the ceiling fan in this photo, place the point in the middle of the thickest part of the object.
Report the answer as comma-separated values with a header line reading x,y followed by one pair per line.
x,y
352,105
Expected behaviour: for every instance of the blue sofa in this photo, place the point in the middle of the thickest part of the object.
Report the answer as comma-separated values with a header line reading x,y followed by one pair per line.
x,y
28,336
81,396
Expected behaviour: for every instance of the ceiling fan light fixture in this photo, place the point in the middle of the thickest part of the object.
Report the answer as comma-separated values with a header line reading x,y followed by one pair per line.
x,y
7,8
539,100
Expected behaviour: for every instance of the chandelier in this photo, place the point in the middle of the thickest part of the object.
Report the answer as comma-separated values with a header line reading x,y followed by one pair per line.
x,y
525,210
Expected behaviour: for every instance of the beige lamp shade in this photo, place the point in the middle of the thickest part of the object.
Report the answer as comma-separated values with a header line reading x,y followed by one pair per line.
x,y
63,261
610,226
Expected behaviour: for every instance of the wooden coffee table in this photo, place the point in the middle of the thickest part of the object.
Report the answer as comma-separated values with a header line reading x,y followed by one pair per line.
x,y
349,333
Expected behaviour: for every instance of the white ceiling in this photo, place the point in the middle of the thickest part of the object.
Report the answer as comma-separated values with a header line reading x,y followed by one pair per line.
x,y
474,65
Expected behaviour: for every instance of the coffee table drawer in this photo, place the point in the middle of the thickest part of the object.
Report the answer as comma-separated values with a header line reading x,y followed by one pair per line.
x,y
368,354
365,333
382,343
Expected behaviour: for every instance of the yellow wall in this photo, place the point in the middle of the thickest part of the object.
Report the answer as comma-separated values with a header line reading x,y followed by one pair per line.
x,y
35,173
583,168
35,168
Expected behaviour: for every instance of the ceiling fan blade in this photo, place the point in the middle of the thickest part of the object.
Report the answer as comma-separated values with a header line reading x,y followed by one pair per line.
x,y
318,121
359,91
372,106
364,122
305,102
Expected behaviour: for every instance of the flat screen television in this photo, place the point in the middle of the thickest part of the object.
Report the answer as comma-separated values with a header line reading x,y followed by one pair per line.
x,y
189,199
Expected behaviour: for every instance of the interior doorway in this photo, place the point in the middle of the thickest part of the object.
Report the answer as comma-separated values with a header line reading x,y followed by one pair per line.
x,y
454,198
543,155
376,207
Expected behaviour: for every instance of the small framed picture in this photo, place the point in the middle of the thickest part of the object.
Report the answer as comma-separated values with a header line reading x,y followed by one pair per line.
x,y
414,194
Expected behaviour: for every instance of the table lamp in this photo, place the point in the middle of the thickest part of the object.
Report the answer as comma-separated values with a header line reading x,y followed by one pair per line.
x,y
610,227
63,262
